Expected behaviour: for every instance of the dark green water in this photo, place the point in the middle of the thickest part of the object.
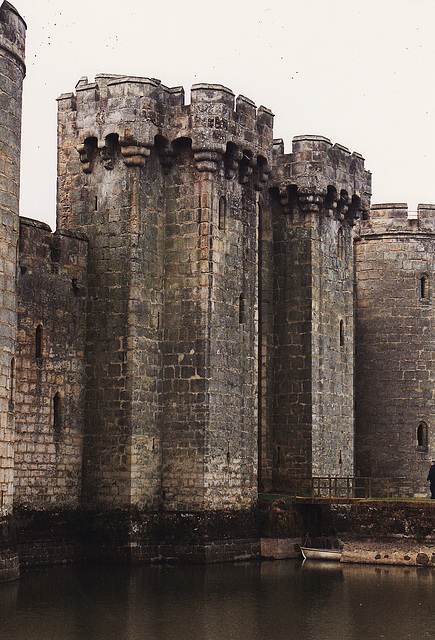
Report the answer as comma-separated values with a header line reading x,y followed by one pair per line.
x,y
267,601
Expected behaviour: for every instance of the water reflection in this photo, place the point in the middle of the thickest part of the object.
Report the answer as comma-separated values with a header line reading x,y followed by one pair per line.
x,y
271,600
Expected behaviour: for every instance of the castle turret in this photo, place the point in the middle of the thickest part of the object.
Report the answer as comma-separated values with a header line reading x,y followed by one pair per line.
x,y
168,195
395,324
12,37
318,192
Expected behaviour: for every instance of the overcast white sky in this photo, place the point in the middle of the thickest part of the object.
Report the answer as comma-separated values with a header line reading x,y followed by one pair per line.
x,y
358,72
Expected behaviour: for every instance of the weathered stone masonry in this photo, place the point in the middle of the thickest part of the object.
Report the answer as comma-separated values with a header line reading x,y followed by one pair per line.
x,y
186,336
169,204
394,345
49,398
12,71
321,189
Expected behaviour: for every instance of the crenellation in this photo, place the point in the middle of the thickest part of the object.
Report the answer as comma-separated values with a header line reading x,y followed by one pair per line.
x,y
212,93
426,217
395,217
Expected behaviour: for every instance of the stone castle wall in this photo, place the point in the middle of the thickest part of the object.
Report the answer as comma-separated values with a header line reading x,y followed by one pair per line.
x,y
394,338
50,361
186,336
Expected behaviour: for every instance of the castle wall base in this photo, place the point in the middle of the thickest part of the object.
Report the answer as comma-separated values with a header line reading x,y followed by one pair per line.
x,y
9,564
123,537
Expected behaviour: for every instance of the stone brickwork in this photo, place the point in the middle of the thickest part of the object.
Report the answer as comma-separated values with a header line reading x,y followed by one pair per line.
x,y
50,361
186,336
12,71
169,203
319,190
394,344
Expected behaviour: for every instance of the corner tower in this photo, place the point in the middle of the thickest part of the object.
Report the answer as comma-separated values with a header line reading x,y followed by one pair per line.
x,y
12,39
167,194
395,329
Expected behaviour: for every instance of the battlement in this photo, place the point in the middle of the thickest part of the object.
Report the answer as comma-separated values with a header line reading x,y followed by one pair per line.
x,y
315,163
324,170
139,110
12,32
41,250
395,217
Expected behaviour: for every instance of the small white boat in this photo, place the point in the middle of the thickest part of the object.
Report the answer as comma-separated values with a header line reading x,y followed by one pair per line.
x,y
321,554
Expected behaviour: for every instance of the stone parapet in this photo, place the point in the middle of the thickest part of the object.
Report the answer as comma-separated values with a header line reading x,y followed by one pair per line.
x,y
224,131
396,217
315,169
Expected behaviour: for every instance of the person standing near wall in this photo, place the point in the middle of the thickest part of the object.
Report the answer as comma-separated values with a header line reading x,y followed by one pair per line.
x,y
431,479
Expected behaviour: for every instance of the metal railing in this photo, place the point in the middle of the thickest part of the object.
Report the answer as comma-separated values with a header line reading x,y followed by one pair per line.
x,y
347,487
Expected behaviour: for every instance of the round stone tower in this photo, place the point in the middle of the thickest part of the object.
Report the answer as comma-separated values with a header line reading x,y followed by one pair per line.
x,y
395,328
12,71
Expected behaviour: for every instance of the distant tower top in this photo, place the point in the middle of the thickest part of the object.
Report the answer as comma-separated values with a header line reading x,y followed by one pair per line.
x,y
12,32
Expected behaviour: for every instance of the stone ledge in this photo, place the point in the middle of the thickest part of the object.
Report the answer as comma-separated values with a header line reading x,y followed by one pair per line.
x,y
400,552
280,548
9,567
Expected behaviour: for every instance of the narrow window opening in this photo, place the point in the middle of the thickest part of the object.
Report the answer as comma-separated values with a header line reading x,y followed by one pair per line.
x,y
241,309
331,197
75,287
341,333
55,254
154,444
340,244
12,389
228,453
424,287
158,319
199,209
422,435
38,341
96,203
222,222
57,413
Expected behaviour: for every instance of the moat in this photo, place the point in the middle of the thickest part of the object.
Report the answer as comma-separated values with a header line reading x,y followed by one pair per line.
x,y
283,600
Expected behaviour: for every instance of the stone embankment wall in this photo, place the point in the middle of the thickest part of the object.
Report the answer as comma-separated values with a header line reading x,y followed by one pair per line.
x,y
389,533
375,532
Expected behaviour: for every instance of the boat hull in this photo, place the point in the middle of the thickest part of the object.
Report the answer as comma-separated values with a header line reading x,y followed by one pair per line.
x,y
333,555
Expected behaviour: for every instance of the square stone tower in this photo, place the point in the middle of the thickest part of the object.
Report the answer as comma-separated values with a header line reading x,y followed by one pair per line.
x,y
317,193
